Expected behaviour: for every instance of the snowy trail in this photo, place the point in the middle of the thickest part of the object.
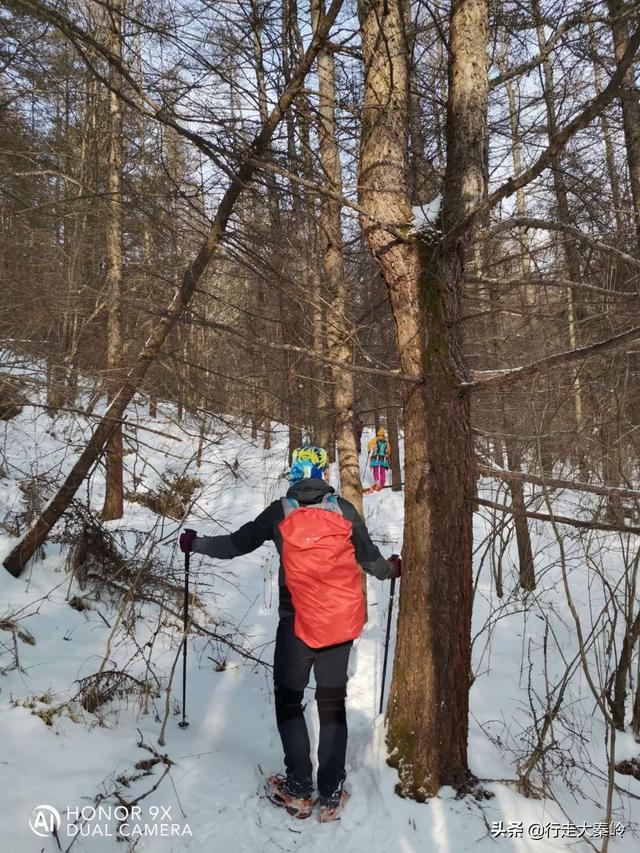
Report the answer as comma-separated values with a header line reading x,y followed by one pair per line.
x,y
214,783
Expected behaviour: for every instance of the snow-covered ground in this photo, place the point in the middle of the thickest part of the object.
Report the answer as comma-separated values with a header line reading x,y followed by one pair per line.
x,y
208,800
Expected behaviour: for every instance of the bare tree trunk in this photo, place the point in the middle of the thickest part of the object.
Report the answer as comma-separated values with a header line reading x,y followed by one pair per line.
x,y
376,411
630,105
340,348
621,676
428,706
572,257
265,401
612,171
76,277
294,404
287,317
422,179
39,532
529,296
58,345
394,437
114,494
635,718
319,403
526,568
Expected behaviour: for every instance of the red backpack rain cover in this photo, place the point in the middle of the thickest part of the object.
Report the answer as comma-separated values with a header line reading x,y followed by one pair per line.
x,y
321,573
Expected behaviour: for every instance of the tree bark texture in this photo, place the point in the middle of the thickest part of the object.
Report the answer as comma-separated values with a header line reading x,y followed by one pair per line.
x,y
114,494
428,705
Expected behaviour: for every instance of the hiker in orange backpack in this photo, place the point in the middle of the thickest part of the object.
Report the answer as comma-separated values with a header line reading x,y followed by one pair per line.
x,y
323,542
379,458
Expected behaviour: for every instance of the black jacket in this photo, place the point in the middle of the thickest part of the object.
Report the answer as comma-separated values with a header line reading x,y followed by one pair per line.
x,y
265,527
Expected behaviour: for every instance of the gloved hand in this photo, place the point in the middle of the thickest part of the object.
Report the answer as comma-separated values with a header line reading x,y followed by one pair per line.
x,y
396,562
186,540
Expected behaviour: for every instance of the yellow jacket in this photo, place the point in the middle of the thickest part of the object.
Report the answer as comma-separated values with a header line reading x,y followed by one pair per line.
x,y
372,445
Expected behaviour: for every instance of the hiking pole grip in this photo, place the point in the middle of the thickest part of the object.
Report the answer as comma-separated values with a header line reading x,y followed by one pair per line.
x,y
386,642
183,724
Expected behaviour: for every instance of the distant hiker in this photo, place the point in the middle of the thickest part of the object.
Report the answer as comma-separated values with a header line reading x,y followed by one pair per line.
x,y
358,426
379,458
321,540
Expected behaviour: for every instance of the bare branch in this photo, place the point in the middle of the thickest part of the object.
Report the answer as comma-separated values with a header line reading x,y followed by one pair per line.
x,y
550,482
576,233
537,281
499,378
559,519
557,144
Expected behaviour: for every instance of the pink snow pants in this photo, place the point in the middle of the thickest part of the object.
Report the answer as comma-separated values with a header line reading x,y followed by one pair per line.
x,y
380,474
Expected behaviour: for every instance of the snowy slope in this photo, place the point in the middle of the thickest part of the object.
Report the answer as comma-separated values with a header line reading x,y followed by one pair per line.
x,y
209,792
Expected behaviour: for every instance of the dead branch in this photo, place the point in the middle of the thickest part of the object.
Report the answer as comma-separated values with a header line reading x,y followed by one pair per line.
x,y
550,482
559,519
498,378
557,144
564,228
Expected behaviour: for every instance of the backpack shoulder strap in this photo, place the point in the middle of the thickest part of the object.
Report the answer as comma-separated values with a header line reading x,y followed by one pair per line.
x,y
288,505
330,503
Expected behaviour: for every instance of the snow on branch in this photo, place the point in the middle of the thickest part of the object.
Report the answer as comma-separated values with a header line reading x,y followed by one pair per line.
x,y
427,216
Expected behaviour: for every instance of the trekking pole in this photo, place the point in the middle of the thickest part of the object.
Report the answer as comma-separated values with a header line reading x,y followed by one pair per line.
x,y
386,642
185,622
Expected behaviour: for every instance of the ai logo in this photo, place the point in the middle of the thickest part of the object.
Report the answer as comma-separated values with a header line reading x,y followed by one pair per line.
x,y
44,820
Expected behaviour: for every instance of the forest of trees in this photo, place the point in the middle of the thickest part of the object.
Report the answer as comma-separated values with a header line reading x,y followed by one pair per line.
x,y
423,214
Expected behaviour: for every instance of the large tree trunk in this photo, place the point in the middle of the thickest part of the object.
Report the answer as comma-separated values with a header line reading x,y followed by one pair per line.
x,y
428,707
39,532
114,494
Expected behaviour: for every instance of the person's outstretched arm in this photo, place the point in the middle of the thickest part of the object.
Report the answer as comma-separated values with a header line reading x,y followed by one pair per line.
x,y
242,541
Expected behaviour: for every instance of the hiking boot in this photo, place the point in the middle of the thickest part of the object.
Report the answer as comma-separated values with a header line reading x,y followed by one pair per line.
x,y
283,794
330,808
378,487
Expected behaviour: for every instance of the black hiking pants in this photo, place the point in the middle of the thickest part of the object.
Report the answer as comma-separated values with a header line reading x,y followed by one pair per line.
x,y
292,664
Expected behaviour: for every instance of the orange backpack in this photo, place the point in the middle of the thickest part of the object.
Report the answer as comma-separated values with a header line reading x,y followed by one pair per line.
x,y
321,573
